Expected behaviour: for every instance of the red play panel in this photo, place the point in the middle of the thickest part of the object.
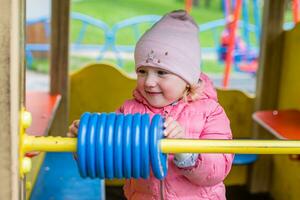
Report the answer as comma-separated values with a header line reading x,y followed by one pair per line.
x,y
284,124
42,107
250,67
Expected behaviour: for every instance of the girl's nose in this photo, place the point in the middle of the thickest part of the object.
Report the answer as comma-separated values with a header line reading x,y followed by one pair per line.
x,y
150,81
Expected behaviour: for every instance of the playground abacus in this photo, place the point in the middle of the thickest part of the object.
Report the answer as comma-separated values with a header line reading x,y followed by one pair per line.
x,y
111,145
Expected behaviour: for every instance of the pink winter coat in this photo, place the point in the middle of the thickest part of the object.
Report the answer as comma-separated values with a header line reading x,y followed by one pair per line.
x,y
203,118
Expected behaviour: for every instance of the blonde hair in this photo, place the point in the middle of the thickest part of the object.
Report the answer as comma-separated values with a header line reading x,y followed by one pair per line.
x,y
193,92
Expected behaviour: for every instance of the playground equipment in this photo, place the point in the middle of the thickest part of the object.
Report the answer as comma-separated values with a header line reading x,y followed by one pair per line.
x,y
235,49
89,25
188,5
134,25
123,146
274,80
245,50
238,50
108,36
84,22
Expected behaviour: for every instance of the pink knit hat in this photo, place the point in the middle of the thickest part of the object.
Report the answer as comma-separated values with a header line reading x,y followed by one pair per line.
x,y
172,44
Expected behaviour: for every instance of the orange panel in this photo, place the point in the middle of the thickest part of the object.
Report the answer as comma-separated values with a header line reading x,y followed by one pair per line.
x,y
42,106
284,124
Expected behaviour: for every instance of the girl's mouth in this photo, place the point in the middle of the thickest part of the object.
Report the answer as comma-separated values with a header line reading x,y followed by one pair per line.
x,y
152,93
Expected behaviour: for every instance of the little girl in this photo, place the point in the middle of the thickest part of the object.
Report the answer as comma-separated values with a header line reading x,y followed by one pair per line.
x,y
170,83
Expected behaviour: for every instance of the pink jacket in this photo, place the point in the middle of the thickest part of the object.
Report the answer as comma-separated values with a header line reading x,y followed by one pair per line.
x,y
203,118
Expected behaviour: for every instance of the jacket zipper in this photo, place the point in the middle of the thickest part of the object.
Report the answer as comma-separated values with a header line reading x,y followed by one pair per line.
x,y
161,190
165,113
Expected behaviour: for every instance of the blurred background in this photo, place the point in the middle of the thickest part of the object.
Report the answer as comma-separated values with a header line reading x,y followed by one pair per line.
x,y
107,31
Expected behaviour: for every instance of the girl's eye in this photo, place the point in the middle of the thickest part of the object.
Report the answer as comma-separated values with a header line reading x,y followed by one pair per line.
x,y
141,71
161,73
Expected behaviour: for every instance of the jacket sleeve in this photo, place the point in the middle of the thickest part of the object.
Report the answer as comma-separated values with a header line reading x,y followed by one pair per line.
x,y
211,169
120,110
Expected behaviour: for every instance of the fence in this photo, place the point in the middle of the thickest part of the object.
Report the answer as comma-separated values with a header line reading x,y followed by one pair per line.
x,y
132,29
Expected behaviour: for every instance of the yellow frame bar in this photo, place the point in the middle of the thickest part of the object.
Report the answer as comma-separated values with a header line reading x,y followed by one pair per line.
x,y
60,144
49,144
230,146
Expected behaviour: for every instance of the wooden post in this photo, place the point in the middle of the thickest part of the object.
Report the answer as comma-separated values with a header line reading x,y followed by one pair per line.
x,y
59,62
268,84
11,95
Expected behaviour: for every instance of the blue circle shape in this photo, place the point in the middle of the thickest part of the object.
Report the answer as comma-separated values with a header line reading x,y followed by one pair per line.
x,y
100,146
145,159
135,144
127,146
81,146
244,159
91,147
109,146
118,165
158,159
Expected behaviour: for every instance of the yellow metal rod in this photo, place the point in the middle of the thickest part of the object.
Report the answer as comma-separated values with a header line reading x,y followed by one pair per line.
x,y
60,144
230,146
49,144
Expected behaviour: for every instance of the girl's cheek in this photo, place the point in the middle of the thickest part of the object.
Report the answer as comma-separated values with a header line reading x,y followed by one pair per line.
x,y
139,84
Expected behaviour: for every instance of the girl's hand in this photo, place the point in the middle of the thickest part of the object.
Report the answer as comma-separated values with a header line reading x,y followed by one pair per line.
x,y
73,129
173,129
73,132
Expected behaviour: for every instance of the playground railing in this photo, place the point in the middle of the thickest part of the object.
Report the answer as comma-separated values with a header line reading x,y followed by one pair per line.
x,y
135,26
107,38
86,22
78,45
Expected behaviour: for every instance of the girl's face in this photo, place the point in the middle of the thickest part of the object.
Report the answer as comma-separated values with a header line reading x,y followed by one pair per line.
x,y
159,87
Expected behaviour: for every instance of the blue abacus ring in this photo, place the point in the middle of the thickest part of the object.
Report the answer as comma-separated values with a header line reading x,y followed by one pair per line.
x,y
118,165
136,146
81,143
127,146
109,146
91,144
158,159
145,159
100,145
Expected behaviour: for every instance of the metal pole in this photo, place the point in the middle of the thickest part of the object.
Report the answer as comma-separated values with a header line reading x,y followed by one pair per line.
x,y
59,144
